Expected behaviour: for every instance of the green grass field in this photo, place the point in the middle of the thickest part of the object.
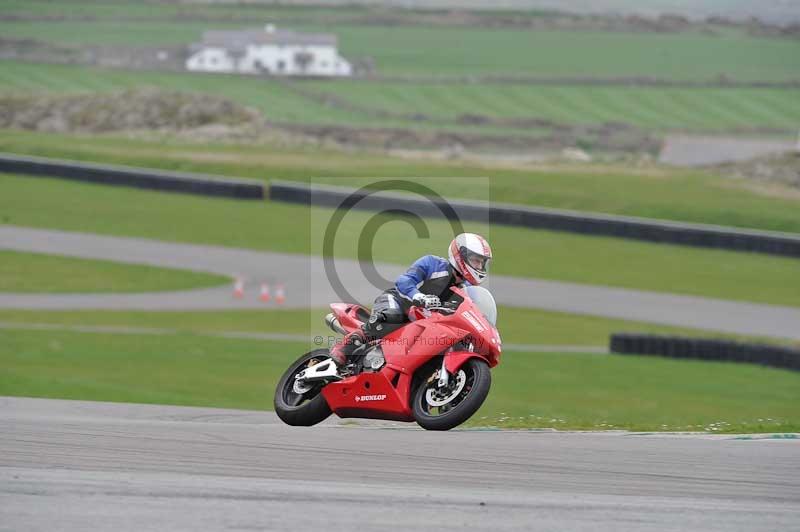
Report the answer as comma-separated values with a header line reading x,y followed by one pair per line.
x,y
116,9
421,49
39,273
566,391
467,51
412,44
517,326
273,99
521,252
645,107
650,108
691,196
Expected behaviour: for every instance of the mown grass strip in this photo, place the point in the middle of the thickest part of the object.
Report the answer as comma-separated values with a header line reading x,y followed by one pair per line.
x,y
41,273
649,192
655,108
529,390
517,326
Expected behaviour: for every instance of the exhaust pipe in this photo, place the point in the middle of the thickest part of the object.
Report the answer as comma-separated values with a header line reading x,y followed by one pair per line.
x,y
333,322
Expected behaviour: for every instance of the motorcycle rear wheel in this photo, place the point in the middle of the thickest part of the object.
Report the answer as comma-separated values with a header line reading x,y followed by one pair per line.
x,y
301,409
466,399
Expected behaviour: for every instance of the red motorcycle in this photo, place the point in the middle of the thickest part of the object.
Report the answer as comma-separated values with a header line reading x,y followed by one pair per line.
x,y
433,370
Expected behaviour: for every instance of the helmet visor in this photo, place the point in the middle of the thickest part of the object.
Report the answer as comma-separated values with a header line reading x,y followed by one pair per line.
x,y
476,260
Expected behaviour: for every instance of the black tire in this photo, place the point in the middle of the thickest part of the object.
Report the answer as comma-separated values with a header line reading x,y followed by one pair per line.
x,y
476,388
313,407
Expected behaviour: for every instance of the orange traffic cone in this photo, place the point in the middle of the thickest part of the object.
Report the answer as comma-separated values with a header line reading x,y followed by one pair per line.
x,y
238,288
280,294
264,296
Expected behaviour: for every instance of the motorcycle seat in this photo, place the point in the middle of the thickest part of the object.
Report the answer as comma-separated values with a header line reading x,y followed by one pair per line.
x,y
361,313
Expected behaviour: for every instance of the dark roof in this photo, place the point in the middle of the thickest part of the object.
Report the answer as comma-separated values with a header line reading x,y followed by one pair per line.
x,y
240,39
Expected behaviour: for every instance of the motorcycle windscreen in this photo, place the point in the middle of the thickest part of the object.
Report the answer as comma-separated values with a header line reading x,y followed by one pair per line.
x,y
484,300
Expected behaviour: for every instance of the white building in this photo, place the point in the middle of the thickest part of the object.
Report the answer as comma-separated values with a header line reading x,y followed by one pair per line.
x,y
268,51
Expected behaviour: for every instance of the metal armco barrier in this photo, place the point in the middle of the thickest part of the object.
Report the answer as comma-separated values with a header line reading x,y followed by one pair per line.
x,y
777,356
651,230
147,178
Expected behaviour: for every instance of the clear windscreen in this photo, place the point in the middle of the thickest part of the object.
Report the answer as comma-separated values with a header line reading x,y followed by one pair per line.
x,y
484,300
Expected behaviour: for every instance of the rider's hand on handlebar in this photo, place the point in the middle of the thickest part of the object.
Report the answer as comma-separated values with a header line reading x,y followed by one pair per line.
x,y
425,300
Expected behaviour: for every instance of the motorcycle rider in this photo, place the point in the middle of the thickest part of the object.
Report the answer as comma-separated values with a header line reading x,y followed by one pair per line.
x,y
425,284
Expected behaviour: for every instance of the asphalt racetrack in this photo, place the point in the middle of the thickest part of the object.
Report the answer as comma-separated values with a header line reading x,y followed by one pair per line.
x,y
75,466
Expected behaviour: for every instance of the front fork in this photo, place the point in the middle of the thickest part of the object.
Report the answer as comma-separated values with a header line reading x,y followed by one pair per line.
x,y
444,376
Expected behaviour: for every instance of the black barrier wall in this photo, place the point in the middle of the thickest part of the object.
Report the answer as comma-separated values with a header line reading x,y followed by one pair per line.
x,y
706,349
133,177
650,230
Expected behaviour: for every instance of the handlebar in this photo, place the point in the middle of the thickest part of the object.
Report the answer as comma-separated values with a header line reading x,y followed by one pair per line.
x,y
445,310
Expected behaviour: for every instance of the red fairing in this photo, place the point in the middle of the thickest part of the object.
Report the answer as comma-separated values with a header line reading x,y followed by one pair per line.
x,y
386,394
348,315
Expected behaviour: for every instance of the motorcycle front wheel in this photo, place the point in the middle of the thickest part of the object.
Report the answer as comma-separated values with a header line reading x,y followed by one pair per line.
x,y
301,404
444,408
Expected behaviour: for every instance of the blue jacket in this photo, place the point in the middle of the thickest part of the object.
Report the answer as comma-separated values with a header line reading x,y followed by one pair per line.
x,y
429,274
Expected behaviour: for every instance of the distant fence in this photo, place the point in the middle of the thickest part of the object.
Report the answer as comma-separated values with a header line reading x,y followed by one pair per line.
x,y
651,230
706,349
147,178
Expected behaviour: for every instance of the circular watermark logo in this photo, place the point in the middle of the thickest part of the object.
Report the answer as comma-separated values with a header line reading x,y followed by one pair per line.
x,y
418,202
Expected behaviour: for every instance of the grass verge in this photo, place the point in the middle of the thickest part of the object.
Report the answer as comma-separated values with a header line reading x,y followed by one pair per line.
x,y
565,391
41,273
652,192
519,326
63,205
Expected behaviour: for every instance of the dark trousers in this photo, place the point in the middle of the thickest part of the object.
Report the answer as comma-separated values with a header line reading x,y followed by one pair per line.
x,y
388,314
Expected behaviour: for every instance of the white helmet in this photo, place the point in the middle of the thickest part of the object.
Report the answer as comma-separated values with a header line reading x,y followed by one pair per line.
x,y
470,255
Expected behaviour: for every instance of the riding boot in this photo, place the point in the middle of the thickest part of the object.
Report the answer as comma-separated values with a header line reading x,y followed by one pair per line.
x,y
349,343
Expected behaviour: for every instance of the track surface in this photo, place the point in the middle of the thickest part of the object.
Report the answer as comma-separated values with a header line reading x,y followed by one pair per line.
x,y
68,465
307,285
